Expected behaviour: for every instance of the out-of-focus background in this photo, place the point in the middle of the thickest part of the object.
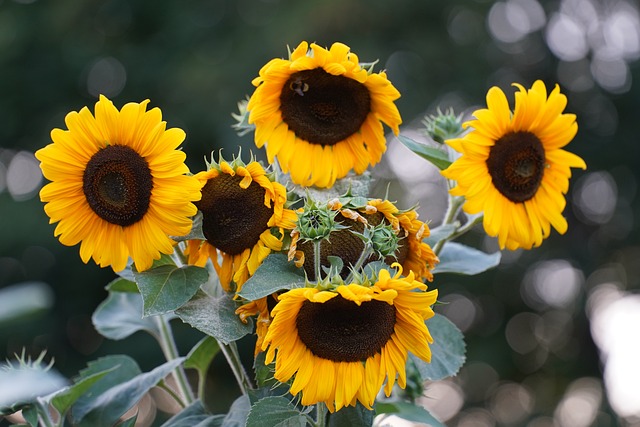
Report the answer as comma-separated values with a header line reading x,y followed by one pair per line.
x,y
552,334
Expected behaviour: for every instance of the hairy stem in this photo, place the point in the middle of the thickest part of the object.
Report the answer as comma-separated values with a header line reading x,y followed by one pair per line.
x,y
230,352
168,345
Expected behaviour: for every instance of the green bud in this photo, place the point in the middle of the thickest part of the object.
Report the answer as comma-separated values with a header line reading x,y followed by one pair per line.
x,y
384,240
442,126
316,222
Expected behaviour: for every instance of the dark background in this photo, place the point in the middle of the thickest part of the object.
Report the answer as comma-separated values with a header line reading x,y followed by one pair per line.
x,y
532,359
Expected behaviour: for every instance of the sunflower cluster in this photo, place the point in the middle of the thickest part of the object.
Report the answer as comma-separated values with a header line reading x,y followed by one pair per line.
x,y
120,187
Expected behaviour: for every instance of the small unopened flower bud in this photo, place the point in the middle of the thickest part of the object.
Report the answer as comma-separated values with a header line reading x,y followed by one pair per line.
x,y
384,240
316,222
442,126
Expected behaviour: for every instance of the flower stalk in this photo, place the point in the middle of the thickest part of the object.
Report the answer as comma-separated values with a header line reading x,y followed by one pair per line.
x,y
170,351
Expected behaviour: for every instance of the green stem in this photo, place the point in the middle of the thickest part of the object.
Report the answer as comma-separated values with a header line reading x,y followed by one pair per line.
x,y
453,209
172,393
366,253
230,352
316,259
321,417
168,345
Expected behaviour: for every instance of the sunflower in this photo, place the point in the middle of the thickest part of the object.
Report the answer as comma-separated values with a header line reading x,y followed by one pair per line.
x,y
413,254
320,113
118,184
342,344
240,205
513,166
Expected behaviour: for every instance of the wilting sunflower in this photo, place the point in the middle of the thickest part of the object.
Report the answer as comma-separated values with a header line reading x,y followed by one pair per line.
x,y
342,344
319,113
118,185
412,254
240,205
513,167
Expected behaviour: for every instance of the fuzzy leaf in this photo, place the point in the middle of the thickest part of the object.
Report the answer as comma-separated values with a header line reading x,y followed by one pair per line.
x,y
167,287
215,317
408,411
352,416
201,355
105,409
194,415
436,156
66,397
439,233
274,274
447,350
238,413
276,412
461,259
120,316
122,285
120,369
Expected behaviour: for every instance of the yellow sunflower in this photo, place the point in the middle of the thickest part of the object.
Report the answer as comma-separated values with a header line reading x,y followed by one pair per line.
x,y
118,184
342,344
413,254
240,205
513,167
320,113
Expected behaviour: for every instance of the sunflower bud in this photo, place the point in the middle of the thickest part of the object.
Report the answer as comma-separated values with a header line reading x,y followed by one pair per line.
x,y
316,222
443,126
384,240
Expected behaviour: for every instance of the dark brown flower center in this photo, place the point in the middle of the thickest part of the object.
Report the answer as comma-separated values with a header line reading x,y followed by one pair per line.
x,y
117,183
233,218
516,164
341,331
322,108
347,246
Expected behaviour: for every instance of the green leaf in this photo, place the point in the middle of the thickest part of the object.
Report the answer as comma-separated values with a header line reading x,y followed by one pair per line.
x,y
263,373
122,285
408,411
196,230
121,369
355,185
276,412
201,355
215,317
30,414
167,287
439,233
447,350
66,397
120,316
237,416
194,415
461,259
352,416
105,409
274,274
438,157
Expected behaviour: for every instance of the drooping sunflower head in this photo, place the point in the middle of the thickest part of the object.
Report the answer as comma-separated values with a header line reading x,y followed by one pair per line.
x,y
347,242
320,113
513,167
118,184
341,344
243,218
